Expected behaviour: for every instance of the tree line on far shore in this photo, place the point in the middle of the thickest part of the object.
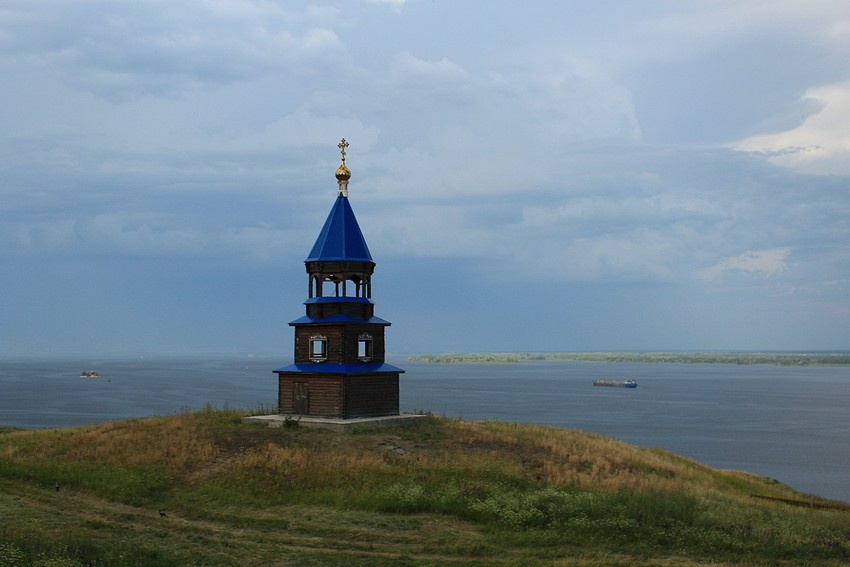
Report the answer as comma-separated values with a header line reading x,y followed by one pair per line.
x,y
772,358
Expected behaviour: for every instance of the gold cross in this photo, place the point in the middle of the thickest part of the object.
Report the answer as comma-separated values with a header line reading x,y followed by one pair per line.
x,y
342,145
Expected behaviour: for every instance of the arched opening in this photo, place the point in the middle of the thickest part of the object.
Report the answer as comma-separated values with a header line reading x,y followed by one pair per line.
x,y
330,286
358,288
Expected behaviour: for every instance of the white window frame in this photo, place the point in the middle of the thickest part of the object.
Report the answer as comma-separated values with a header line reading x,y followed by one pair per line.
x,y
365,347
319,354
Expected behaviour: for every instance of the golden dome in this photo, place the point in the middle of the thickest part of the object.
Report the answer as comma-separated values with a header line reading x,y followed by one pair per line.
x,y
343,173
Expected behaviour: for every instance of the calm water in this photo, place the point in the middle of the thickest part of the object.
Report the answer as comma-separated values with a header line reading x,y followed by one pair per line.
x,y
791,424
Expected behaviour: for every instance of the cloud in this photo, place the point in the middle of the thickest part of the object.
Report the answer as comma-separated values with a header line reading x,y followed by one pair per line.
x,y
755,262
723,71
409,66
392,3
488,133
821,144
306,127
149,235
628,210
617,212
121,51
56,235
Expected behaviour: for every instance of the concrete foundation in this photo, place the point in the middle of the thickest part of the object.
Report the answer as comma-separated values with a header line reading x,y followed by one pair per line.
x,y
334,424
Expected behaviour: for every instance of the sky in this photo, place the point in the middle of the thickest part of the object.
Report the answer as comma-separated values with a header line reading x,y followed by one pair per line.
x,y
529,176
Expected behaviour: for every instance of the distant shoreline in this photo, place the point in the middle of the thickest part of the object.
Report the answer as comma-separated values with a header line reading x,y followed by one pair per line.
x,y
740,358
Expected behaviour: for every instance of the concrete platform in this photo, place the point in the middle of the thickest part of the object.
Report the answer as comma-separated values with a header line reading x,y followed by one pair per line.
x,y
276,420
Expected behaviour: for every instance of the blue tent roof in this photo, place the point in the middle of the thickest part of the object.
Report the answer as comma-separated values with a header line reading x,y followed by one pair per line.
x,y
340,239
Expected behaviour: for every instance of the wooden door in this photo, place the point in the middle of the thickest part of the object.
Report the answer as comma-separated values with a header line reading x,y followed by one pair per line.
x,y
301,398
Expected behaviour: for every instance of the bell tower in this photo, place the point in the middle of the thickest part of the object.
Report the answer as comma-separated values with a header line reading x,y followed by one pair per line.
x,y
338,368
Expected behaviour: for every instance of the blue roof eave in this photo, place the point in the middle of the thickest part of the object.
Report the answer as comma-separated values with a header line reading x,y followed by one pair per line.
x,y
342,318
333,368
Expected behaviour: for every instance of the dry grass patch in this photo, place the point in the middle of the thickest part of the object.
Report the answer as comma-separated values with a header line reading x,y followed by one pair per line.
x,y
579,460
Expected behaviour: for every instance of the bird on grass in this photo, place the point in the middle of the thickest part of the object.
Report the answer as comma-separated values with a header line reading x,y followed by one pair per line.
x,y
162,514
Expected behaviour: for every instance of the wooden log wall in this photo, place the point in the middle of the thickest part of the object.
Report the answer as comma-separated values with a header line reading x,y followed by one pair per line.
x,y
343,396
371,395
342,342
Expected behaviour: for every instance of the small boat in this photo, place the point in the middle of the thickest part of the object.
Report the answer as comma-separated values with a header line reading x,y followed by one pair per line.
x,y
89,374
616,383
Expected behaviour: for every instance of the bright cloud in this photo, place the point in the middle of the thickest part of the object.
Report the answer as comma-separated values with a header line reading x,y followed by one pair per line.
x,y
821,144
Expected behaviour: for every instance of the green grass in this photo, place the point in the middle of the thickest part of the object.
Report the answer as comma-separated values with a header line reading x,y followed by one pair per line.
x,y
448,493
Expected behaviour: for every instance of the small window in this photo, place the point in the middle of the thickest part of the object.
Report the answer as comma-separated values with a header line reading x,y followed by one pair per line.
x,y
318,348
364,347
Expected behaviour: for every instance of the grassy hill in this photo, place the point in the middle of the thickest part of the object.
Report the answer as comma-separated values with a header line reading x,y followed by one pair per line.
x,y
202,488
